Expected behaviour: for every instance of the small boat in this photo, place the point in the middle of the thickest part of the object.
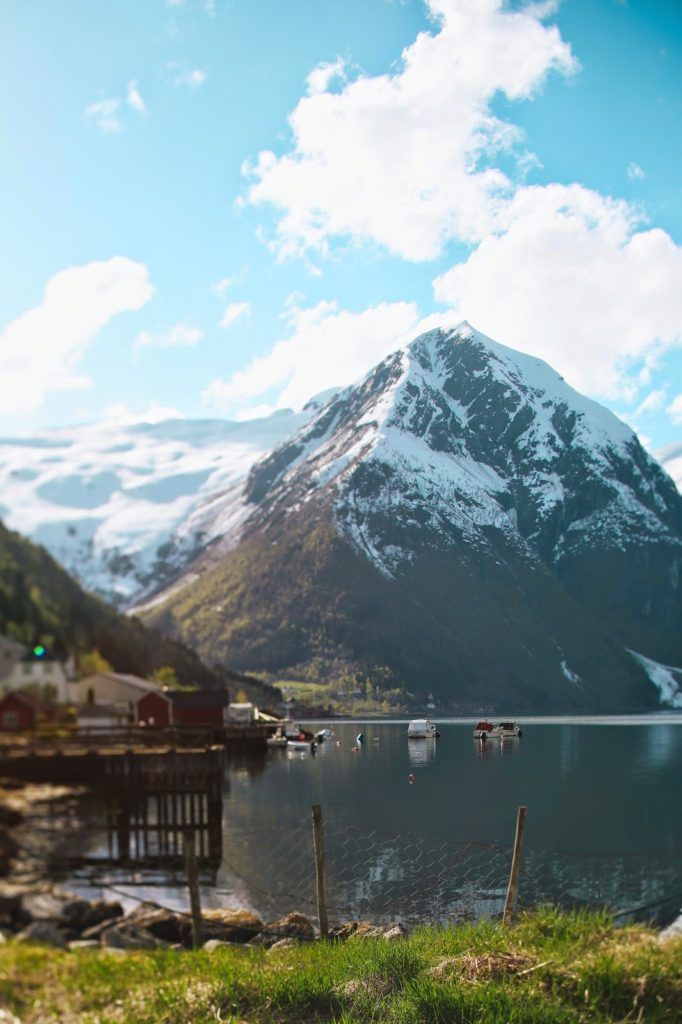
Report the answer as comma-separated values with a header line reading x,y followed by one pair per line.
x,y
508,731
422,729
323,734
360,738
278,739
306,746
504,731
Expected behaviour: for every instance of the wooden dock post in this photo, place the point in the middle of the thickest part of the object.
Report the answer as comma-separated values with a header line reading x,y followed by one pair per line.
x,y
193,886
513,887
318,838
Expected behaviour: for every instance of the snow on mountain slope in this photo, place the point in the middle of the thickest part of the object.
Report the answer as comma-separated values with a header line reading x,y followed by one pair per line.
x,y
460,519
113,502
670,457
460,432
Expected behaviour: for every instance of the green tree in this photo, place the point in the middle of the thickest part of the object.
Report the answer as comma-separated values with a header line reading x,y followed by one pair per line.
x,y
166,676
91,662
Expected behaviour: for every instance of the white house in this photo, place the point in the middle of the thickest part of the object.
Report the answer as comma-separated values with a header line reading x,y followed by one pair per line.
x,y
39,670
113,688
11,651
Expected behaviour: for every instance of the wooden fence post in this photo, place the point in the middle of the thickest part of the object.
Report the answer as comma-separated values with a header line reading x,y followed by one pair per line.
x,y
513,887
318,838
193,886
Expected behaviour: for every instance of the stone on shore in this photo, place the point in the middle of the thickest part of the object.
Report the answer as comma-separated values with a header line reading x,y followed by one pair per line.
x,y
43,931
292,926
225,924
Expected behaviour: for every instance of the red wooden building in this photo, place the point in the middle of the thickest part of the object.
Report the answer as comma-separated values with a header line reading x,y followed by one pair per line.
x,y
154,708
202,708
22,712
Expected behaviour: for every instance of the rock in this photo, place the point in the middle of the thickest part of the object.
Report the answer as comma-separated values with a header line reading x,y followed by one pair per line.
x,y
397,931
8,1018
10,907
98,930
42,906
74,913
293,926
359,930
213,944
43,931
226,924
283,944
125,938
100,911
162,924
9,818
84,944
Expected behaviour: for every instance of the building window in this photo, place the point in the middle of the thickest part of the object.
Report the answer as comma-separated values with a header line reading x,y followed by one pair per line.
x,y
10,720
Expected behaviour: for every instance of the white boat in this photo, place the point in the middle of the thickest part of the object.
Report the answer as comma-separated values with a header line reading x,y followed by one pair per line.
x,y
422,729
301,745
508,731
485,730
278,739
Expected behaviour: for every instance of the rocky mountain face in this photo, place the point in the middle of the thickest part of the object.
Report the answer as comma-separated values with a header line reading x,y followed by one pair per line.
x,y
116,503
670,457
461,522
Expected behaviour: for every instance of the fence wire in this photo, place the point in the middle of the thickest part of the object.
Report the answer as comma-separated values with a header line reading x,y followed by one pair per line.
x,y
379,877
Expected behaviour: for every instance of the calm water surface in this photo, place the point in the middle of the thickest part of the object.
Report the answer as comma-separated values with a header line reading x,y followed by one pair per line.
x,y
603,822
590,788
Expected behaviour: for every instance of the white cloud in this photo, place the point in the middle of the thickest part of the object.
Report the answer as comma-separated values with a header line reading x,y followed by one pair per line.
x,y
134,98
674,410
40,350
119,414
404,159
321,77
178,336
635,172
573,278
223,284
650,403
105,114
235,311
327,347
192,79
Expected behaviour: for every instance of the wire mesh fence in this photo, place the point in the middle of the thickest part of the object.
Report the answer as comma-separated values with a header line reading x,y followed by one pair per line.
x,y
372,874
376,876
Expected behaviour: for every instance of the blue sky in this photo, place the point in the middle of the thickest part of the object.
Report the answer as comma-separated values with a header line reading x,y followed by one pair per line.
x,y
514,165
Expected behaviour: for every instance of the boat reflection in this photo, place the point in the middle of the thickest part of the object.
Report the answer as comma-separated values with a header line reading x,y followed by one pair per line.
x,y
421,751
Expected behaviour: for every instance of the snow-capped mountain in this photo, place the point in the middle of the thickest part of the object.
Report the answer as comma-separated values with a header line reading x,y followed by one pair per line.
x,y
670,457
115,503
460,516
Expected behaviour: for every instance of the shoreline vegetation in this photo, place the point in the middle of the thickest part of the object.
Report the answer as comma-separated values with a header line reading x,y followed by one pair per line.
x,y
549,968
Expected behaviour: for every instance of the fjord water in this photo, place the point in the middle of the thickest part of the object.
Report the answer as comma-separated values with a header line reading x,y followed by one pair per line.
x,y
602,798
590,787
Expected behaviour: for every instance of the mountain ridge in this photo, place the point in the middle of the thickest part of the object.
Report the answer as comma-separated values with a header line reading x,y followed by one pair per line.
x,y
459,452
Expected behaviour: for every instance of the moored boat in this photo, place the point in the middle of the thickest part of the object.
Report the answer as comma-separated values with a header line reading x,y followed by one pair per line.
x,y
508,731
484,729
422,729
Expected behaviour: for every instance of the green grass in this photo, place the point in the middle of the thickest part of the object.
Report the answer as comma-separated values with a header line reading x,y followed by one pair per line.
x,y
592,973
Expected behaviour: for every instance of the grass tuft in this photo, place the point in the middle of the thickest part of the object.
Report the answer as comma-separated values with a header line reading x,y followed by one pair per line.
x,y
550,968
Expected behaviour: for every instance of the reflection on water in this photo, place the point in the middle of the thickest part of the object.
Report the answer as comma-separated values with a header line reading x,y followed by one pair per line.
x,y
600,826
422,751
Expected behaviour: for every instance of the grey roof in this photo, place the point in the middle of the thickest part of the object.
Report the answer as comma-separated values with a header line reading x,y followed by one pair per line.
x,y
122,677
199,698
